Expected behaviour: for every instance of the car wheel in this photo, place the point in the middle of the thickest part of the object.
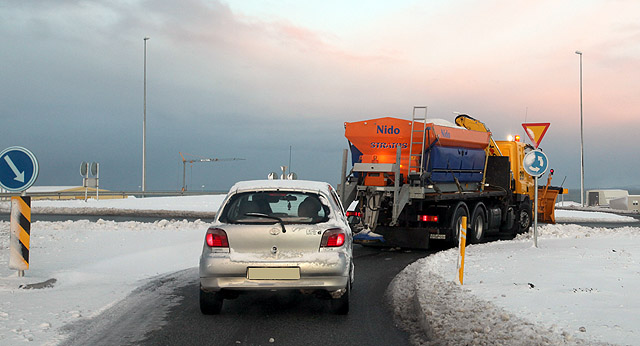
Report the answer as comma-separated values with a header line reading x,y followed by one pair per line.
x,y
210,302
340,306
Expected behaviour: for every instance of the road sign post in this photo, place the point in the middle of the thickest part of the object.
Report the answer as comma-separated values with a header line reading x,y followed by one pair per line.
x,y
94,170
84,172
535,212
535,163
20,234
18,172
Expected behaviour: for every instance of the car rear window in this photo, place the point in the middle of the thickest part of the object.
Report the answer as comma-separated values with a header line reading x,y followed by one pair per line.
x,y
289,206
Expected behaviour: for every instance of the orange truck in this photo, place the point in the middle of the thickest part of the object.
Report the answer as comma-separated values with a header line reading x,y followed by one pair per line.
x,y
414,180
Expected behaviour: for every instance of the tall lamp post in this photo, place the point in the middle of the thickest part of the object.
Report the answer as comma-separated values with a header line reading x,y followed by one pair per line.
x,y
581,138
144,122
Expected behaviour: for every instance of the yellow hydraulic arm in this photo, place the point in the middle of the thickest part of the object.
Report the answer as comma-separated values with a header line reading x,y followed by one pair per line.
x,y
476,125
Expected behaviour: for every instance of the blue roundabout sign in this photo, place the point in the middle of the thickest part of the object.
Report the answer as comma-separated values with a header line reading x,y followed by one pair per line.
x,y
18,169
535,163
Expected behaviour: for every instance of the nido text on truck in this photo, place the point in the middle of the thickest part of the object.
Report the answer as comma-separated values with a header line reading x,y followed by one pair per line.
x,y
415,179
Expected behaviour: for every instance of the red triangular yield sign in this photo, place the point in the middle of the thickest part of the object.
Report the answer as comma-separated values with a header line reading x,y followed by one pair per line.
x,y
536,131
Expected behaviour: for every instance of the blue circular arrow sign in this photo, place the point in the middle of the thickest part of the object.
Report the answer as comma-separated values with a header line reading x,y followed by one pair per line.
x,y
535,163
18,169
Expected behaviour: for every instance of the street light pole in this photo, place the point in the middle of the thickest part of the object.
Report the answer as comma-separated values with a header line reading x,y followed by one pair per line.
x,y
144,123
581,138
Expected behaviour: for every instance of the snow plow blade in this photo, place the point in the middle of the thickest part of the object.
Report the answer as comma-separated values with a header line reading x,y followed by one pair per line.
x,y
368,238
547,203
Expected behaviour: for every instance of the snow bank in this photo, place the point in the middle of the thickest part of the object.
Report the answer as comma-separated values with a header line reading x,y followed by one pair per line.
x,y
580,286
590,216
202,204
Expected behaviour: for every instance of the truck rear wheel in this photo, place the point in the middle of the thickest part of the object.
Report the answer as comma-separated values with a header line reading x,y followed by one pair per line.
x,y
525,218
478,223
459,211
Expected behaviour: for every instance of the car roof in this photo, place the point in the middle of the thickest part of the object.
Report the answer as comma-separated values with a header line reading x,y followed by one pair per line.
x,y
280,184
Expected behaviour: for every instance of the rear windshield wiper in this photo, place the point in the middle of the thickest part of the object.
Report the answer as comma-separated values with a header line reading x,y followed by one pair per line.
x,y
268,217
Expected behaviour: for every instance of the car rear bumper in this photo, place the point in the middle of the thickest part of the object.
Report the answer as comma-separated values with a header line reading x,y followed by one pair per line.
x,y
243,284
219,272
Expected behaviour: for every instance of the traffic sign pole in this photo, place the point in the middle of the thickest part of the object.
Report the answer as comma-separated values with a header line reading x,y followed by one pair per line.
x,y
535,213
20,234
535,163
18,172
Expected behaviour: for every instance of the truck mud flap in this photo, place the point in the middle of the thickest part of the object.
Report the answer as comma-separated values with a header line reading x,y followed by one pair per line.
x,y
415,238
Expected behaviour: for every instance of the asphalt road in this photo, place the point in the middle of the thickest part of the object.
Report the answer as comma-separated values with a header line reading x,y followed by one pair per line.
x,y
276,318
166,311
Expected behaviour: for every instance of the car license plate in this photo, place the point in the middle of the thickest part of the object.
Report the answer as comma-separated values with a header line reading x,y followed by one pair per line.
x,y
290,273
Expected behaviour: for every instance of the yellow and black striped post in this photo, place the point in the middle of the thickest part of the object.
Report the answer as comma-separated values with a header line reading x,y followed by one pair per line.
x,y
462,244
20,233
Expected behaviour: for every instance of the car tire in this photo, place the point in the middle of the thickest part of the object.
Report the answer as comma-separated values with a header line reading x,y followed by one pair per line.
x,y
340,306
210,302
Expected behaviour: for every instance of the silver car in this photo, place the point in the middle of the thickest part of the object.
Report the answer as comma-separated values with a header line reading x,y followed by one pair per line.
x,y
278,235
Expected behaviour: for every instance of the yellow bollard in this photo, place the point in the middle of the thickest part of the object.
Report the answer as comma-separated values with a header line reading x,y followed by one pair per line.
x,y
461,245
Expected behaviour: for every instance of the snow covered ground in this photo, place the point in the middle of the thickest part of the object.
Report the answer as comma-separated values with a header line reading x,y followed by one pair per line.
x,y
185,206
204,203
590,216
580,286
95,264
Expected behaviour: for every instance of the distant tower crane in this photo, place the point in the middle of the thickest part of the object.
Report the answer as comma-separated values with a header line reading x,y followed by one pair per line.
x,y
199,159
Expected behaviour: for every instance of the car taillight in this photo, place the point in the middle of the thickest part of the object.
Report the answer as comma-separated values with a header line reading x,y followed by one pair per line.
x,y
334,237
354,213
217,238
428,218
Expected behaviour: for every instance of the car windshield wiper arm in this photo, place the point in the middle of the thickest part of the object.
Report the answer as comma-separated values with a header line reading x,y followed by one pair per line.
x,y
268,217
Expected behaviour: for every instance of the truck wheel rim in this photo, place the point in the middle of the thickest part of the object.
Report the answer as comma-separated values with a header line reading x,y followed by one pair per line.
x,y
479,229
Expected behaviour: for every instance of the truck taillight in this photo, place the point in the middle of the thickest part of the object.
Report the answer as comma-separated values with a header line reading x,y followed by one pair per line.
x,y
217,237
354,213
428,218
333,237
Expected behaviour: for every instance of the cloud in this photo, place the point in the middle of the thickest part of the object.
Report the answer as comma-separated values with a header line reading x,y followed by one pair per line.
x,y
223,82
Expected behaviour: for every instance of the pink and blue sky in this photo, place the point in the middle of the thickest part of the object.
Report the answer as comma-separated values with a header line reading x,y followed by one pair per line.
x,y
251,78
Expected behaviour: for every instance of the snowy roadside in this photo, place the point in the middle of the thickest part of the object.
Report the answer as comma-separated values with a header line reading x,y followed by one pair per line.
x,y
579,287
94,264
591,216
573,206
